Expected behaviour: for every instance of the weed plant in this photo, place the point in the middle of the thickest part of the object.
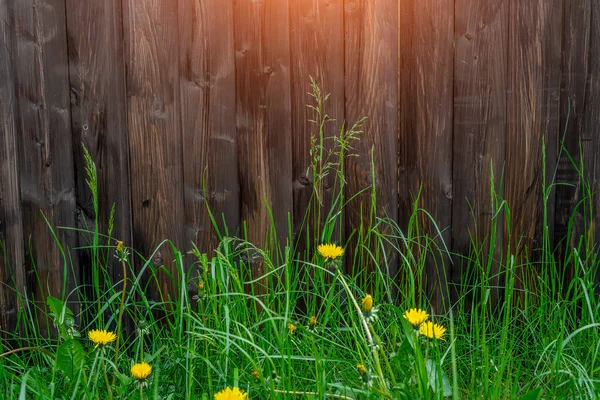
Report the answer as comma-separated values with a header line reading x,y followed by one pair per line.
x,y
326,327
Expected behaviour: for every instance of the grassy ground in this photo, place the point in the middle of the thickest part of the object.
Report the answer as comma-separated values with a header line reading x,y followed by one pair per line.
x,y
306,328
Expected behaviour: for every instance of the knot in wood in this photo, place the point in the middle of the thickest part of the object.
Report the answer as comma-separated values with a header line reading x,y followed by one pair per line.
x,y
351,6
448,192
158,258
309,17
158,107
304,180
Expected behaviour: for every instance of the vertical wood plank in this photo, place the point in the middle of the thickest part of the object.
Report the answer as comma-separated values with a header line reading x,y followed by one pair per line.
x,y
155,140
591,136
46,165
12,257
480,85
98,112
207,90
263,115
426,109
372,90
533,113
317,50
579,102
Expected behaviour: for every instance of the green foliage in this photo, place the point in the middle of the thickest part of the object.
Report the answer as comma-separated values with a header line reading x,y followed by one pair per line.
x,y
234,328
533,395
70,358
62,318
437,379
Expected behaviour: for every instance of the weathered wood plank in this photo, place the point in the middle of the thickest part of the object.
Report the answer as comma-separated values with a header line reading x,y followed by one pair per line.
x,y
155,140
532,114
98,112
426,108
46,162
317,50
591,137
263,115
480,84
372,91
12,257
207,90
579,102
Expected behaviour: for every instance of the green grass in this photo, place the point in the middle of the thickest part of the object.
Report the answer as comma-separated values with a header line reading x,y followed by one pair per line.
x,y
540,341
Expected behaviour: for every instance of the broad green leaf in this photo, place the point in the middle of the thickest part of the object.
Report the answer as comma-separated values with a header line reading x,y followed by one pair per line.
x,y
340,389
123,386
533,395
70,357
58,310
23,391
433,372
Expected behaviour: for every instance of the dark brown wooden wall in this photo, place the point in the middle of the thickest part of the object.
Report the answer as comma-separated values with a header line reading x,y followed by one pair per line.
x,y
168,94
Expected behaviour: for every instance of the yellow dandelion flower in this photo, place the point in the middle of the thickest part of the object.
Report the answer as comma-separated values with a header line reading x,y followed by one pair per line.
x,y
141,370
416,316
330,251
292,328
312,321
119,246
432,330
101,337
367,303
230,394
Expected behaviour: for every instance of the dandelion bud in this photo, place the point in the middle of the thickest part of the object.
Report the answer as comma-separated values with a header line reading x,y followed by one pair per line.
x,y
362,370
367,303
291,328
364,374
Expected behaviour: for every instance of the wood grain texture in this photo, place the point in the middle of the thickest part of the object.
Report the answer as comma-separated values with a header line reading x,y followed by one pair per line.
x,y
372,90
155,140
263,115
480,85
169,95
580,123
207,90
12,257
46,162
426,109
99,117
532,116
317,51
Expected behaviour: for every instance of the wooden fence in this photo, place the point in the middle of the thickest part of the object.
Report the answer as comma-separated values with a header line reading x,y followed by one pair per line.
x,y
163,92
